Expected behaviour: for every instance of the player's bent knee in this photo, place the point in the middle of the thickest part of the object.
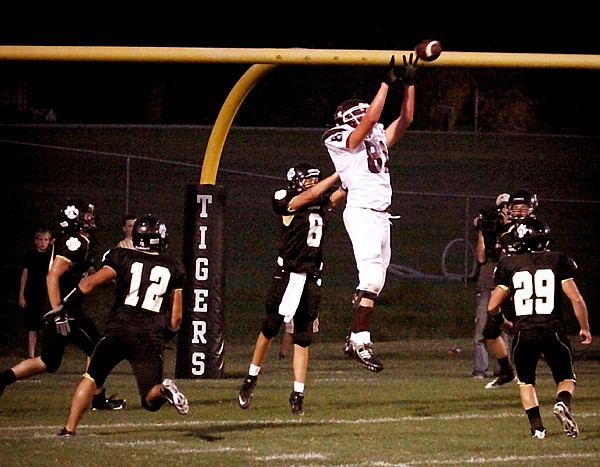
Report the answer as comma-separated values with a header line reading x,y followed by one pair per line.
x,y
361,293
303,339
522,384
271,325
89,378
52,365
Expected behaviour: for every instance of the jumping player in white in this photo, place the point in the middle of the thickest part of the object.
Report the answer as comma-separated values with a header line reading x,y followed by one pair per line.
x,y
358,146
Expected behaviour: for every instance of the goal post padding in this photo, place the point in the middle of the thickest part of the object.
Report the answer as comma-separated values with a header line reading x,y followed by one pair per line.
x,y
200,342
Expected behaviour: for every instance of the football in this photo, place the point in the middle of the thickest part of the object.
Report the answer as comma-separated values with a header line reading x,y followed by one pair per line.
x,y
428,50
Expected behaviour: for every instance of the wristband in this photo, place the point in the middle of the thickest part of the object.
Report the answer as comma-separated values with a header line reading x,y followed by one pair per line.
x,y
497,318
73,298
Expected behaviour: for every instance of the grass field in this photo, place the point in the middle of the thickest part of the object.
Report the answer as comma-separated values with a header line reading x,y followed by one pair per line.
x,y
423,409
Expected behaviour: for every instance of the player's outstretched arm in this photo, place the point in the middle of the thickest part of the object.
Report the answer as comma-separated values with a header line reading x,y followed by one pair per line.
x,y
313,193
103,276
373,113
398,127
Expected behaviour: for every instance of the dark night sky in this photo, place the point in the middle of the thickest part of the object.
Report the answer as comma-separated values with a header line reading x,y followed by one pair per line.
x,y
504,29
382,26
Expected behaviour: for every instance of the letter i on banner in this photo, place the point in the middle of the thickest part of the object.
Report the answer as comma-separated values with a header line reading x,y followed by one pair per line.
x,y
200,342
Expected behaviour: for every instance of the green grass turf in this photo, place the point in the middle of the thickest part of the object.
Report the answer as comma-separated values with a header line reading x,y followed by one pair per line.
x,y
423,409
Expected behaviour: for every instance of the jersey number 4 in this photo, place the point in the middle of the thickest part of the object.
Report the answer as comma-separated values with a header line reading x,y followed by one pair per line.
x,y
159,280
527,285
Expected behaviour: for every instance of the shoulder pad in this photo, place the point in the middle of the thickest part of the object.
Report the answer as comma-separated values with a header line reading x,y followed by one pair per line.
x,y
332,131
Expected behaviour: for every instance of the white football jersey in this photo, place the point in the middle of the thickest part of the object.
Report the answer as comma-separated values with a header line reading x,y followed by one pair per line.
x,y
364,171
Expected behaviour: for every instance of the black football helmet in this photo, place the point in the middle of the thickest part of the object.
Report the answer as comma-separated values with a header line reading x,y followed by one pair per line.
x,y
533,235
350,112
298,174
522,197
150,234
76,215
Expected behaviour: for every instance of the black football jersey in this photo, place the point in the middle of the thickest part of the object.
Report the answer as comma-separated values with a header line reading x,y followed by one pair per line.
x,y
535,282
506,245
81,252
143,288
300,246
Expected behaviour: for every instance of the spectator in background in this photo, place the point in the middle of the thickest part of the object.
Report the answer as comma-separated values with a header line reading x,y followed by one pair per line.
x,y
489,224
73,258
127,226
33,293
522,206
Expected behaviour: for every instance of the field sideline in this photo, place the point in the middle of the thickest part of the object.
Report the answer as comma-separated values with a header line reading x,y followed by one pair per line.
x,y
423,409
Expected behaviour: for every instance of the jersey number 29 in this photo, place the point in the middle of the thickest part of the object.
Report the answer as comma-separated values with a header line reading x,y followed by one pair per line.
x,y
541,284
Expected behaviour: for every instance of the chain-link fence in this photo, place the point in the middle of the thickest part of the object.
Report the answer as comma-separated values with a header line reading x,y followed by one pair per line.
x,y
441,181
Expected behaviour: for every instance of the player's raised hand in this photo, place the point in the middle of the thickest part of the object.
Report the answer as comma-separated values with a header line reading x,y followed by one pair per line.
x,y
390,76
409,70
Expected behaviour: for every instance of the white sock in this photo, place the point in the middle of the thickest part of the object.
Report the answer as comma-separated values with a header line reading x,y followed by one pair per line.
x,y
254,370
298,387
361,338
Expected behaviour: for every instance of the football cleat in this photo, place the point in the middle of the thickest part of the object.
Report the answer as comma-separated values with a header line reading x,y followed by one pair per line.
x,y
500,381
563,414
364,355
539,434
66,433
297,403
246,392
175,396
100,402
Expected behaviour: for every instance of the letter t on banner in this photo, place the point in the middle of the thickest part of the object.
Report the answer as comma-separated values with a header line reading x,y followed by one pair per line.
x,y
200,343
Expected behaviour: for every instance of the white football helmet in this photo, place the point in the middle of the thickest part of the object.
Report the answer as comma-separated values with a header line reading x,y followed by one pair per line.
x,y
350,112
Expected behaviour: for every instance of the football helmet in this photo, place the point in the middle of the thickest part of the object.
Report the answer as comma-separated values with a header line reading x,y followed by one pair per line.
x,y
350,112
503,198
150,234
532,235
302,176
522,197
76,215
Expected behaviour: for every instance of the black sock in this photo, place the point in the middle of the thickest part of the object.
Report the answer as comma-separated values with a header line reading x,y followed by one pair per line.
x,y
504,365
101,396
565,397
7,377
535,420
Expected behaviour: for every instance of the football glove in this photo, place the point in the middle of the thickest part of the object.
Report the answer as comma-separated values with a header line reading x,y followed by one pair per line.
x,y
60,318
409,70
390,76
62,325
